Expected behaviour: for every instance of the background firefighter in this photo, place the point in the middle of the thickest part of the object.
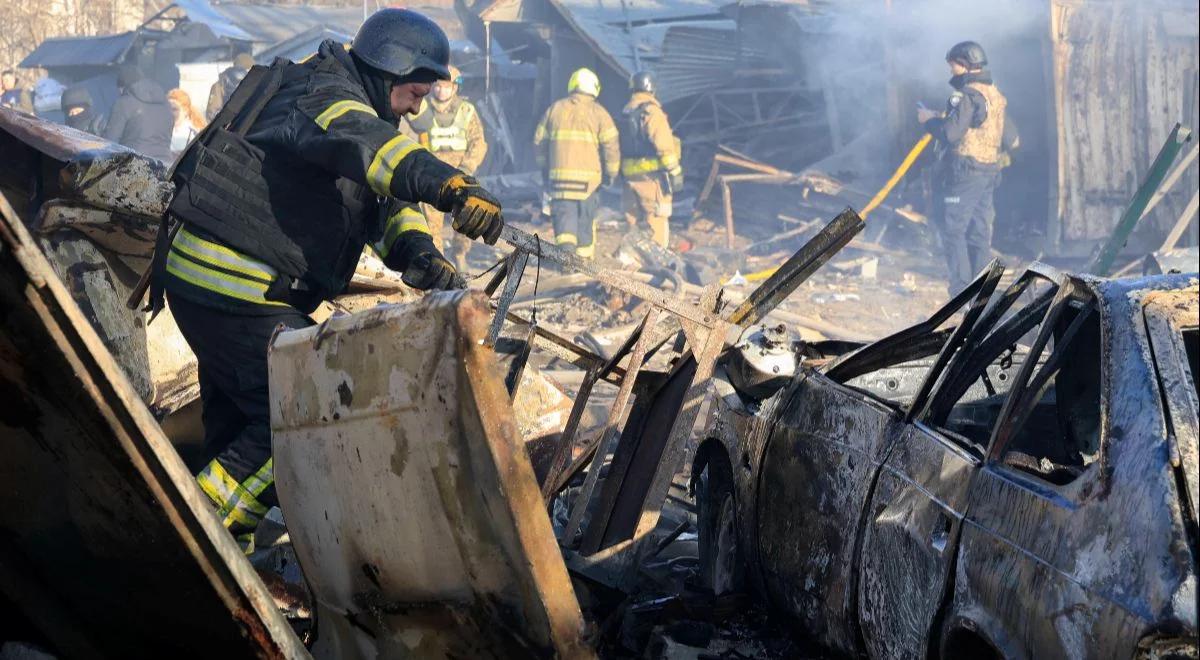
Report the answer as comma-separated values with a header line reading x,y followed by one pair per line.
x,y
300,170
977,133
577,148
449,126
649,160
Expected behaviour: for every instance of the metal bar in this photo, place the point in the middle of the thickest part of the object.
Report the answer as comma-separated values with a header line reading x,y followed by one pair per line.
x,y
513,380
516,269
616,418
568,259
566,444
1181,224
498,277
811,256
1154,177
677,446
727,200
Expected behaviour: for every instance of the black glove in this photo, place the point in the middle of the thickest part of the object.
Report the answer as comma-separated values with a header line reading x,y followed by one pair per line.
x,y
432,273
422,265
476,211
676,179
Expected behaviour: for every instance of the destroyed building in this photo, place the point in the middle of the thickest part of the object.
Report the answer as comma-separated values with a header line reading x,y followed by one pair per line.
x,y
775,439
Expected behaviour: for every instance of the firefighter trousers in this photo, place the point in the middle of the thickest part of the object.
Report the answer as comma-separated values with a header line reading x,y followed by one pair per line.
x,y
575,223
645,202
967,217
231,355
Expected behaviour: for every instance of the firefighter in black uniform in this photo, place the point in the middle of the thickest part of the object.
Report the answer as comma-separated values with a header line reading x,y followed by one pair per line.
x,y
275,201
978,136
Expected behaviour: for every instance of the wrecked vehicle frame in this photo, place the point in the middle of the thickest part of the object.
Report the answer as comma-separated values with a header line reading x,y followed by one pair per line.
x,y
1019,485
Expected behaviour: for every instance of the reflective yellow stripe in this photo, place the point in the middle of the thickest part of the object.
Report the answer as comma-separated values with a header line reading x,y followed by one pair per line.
x,y
208,270
636,166
566,238
340,108
586,251
221,255
608,135
670,161
565,174
568,135
383,167
260,481
235,504
406,219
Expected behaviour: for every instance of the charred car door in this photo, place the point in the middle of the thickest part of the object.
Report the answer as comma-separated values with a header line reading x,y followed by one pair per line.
x,y
1050,553
917,506
820,464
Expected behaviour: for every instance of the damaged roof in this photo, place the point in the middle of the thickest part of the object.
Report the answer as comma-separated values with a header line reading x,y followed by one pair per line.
x,y
80,51
630,34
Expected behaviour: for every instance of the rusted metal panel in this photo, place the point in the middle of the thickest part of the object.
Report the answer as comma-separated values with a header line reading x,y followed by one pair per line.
x,y
410,498
106,542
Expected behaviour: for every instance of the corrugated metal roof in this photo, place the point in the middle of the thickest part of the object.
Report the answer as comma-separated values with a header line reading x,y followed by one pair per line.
x,y
617,29
79,51
274,23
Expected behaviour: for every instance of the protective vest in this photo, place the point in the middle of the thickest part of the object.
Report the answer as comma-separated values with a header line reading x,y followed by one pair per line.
x,y
286,183
452,136
982,143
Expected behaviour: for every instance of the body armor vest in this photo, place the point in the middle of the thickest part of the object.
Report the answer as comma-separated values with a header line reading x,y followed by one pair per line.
x,y
982,143
440,136
262,201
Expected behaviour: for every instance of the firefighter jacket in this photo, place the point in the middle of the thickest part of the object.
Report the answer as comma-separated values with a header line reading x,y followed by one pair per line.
x,y
647,144
576,146
279,213
452,131
976,125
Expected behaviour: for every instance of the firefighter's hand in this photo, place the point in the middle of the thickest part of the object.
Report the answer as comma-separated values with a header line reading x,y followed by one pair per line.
x,y
431,272
476,211
676,180
423,266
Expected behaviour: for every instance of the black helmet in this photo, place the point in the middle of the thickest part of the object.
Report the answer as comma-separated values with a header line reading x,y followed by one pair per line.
x,y
968,54
642,81
401,42
75,97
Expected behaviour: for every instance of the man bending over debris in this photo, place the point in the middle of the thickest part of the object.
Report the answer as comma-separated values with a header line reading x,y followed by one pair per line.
x,y
978,132
276,199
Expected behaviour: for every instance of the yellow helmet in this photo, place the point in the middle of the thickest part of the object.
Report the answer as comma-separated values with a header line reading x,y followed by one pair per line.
x,y
455,75
584,80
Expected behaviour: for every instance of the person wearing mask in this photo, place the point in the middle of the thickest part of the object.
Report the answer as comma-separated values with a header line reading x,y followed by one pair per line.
x,y
188,120
228,81
140,118
978,135
576,146
649,160
12,96
78,111
449,126
274,203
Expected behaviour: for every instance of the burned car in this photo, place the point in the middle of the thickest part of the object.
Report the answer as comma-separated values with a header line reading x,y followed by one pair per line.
x,y
1015,477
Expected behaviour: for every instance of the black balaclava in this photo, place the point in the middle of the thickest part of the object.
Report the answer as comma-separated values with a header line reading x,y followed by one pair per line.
x,y
983,76
78,97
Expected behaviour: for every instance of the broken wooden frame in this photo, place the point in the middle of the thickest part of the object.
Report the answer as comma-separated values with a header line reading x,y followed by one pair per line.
x,y
648,441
